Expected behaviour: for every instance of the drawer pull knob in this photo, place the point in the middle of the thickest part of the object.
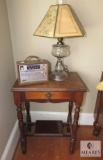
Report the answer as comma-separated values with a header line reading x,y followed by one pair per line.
x,y
48,95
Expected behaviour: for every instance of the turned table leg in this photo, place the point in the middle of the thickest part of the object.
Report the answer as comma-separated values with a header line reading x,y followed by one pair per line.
x,y
96,125
69,118
74,129
21,127
28,118
97,128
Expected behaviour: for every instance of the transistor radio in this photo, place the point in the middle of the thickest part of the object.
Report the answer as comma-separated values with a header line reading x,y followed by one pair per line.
x,y
33,71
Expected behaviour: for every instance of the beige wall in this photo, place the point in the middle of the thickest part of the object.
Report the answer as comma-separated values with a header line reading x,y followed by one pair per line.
x,y
7,77
86,53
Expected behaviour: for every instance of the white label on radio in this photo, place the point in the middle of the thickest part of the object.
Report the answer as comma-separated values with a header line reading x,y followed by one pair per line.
x,y
29,73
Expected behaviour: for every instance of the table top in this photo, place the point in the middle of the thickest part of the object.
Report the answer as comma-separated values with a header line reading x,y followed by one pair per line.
x,y
72,83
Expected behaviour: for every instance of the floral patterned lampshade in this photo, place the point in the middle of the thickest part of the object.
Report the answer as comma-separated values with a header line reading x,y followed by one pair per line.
x,y
60,21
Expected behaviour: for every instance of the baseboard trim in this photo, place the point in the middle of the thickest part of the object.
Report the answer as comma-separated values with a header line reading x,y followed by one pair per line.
x,y
11,144
84,119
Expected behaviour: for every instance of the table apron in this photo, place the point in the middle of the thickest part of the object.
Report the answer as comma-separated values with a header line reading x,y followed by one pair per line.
x,y
45,96
48,95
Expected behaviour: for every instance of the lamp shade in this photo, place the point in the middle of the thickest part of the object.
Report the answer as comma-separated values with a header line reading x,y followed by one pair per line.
x,y
60,21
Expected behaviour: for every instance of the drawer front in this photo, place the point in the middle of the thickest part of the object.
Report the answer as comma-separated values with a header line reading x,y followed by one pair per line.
x,y
48,96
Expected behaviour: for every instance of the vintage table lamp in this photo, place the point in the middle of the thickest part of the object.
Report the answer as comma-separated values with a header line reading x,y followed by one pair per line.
x,y
60,22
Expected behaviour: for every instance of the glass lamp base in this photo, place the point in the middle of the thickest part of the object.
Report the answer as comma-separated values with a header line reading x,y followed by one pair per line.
x,y
58,75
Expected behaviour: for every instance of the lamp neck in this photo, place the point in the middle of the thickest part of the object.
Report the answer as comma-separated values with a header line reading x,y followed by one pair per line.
x,y
60,41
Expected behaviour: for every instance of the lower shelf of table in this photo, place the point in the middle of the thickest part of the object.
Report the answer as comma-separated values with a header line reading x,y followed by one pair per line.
x,y
48,128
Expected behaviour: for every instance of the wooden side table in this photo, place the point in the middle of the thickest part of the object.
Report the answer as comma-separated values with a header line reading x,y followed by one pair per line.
x,y
71,90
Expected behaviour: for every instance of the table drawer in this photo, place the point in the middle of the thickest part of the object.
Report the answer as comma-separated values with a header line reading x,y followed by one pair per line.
x,y
48,95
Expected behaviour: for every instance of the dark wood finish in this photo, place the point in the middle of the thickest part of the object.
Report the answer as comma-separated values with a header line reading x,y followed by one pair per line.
x,y
56,148
49,127
21,127
98,112
71,90
28,118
